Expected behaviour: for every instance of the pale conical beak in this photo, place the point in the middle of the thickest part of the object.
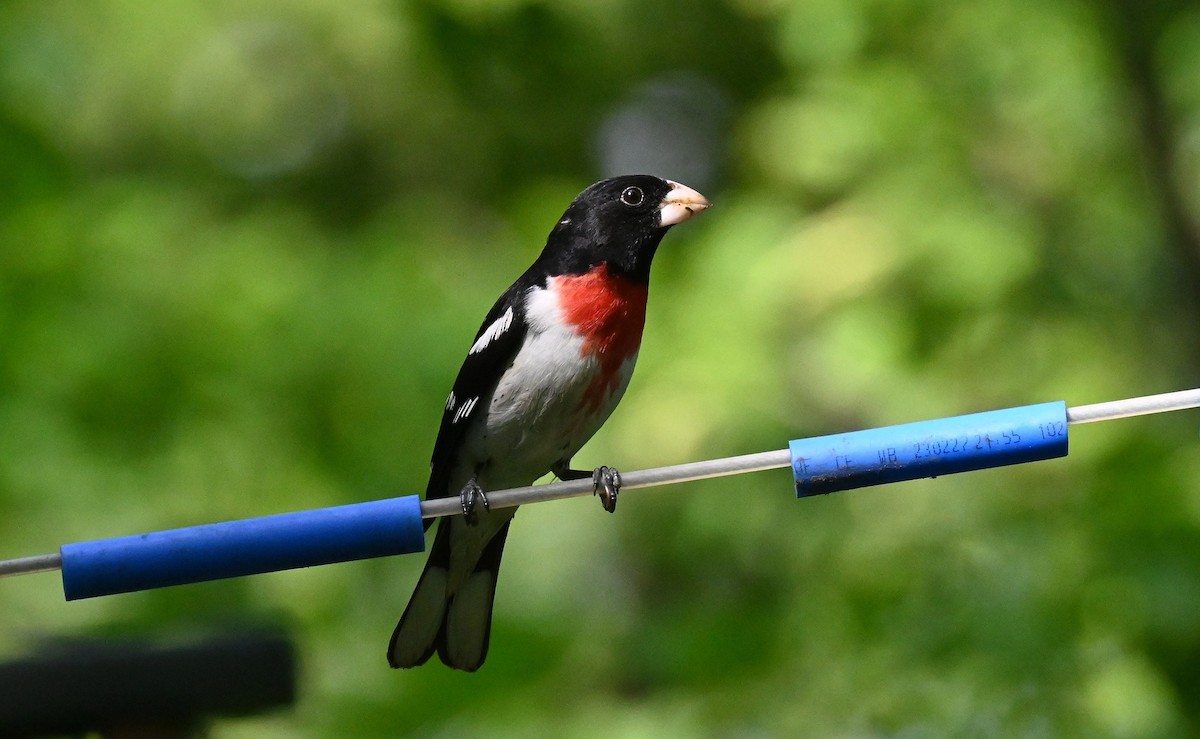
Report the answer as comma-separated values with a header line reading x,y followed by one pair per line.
x,y
680,204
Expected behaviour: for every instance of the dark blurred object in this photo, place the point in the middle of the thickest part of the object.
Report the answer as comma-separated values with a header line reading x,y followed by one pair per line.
x,y
139,689
674,126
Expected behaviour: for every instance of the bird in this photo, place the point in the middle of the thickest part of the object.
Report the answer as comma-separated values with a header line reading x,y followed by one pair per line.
x,y
547,367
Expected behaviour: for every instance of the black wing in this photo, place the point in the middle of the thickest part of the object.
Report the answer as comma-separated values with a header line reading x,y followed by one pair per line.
x,y
477,378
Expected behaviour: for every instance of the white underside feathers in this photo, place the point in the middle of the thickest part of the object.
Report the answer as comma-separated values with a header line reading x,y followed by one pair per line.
x,y
535,418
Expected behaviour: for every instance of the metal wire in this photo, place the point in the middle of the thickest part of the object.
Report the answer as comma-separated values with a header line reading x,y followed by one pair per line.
x,y
782,458
629,481
738,465
30,565
1162,403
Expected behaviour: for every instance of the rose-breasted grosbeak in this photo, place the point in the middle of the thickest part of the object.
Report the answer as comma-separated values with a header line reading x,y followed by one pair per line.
x,y
547,367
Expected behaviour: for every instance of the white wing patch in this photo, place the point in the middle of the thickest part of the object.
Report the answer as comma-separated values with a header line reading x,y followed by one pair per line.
x,y
465,409
498,327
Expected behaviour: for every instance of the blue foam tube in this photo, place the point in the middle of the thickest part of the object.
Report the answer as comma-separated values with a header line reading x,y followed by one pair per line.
x,y
827,464
234,548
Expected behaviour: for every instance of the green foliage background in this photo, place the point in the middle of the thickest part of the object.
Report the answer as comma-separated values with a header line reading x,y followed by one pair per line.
x,y
243,247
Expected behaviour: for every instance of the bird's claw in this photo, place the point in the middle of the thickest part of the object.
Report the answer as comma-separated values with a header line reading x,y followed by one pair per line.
x,y
470,497
607,483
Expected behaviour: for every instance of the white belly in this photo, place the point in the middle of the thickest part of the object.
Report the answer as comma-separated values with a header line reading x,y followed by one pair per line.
x,y
545,408
548,404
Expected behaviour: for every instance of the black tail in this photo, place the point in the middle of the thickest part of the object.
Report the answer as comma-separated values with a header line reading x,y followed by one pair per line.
x,y
455,625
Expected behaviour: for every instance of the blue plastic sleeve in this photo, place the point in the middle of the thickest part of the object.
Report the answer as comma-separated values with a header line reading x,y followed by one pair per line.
x,y
235,548
827,464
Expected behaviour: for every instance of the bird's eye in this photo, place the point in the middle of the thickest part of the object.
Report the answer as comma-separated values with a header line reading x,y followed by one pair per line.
x,y
633,196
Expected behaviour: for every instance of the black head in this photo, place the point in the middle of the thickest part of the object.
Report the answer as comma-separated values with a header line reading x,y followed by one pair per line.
x,y
618,221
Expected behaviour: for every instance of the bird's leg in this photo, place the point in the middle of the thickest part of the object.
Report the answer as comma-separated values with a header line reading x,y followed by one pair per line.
x,y
469,497
606,482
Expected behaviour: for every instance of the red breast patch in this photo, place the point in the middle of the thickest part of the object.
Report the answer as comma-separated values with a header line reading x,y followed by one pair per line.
x,y
609,312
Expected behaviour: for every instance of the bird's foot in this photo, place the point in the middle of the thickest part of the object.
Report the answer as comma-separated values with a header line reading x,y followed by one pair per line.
x,y
470,497
607,482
